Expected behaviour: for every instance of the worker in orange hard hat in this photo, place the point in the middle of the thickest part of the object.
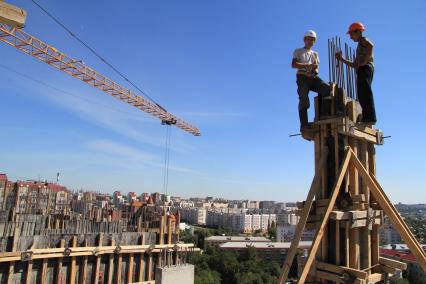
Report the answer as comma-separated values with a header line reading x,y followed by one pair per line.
x,y
364,66
306,61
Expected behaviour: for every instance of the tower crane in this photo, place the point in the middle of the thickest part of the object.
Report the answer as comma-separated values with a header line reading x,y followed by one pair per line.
x,y
12,20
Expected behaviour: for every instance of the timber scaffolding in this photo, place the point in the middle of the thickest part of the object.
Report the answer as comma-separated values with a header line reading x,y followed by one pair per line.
x,y
349,203
84,257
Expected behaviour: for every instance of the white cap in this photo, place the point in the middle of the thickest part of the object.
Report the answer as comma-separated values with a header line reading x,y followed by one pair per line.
x,y
310,33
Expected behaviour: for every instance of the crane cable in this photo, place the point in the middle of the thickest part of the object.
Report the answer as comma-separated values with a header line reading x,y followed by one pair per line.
x,y
56,20
167,159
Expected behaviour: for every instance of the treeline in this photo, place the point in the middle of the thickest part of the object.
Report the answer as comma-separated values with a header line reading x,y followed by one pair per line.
x,y
230,267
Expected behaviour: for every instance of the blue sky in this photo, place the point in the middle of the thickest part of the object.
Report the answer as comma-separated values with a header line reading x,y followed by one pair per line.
x,y
223,66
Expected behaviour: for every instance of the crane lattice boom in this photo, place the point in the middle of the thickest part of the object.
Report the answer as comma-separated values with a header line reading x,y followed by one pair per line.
x,y
50,55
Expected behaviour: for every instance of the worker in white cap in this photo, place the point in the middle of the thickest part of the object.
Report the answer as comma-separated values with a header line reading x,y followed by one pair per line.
x,y
306,61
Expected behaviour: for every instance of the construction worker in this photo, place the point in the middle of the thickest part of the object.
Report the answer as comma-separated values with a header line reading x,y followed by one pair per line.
x,y
306,61
364,67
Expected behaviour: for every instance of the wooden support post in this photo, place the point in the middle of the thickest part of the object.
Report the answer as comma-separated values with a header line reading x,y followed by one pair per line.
x,y
354,251
11,271
73,261
111,265
320,232
141,262
29,272
375,232
303,218
149,270
129,278
365,234
83,268
169,231
119,268
392,213
98,259
59,264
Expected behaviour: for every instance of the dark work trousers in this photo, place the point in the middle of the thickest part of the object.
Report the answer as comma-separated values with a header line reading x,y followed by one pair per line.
x,y
365,94
304,85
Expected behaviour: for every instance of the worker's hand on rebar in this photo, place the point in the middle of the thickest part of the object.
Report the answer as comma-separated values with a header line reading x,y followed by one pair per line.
x,y
339,55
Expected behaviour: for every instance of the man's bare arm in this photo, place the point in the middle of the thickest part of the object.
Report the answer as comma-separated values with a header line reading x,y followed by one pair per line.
x,y
298,65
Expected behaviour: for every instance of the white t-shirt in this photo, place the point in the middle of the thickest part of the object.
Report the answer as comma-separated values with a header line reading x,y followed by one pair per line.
x,y
303,55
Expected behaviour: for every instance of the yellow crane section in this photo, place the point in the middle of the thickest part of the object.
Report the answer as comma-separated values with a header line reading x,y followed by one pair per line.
x,y
12,18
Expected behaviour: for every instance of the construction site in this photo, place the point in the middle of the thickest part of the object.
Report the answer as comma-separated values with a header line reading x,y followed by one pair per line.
x,y
345,205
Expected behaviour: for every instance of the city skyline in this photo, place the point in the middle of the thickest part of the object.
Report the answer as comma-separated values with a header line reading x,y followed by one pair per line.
x,y
222,66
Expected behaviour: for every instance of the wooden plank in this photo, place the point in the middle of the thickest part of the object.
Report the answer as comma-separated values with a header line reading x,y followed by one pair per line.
x,y
73,262
320,232
98,258
11,270
29,272
392,213
59,264
365,234
111,265
83,267
375,232
375,277
328,276
129,277
388,270
337,243
119,268
354,247
303,218
149,269
341,269
12,15
393,263
141,262
44,271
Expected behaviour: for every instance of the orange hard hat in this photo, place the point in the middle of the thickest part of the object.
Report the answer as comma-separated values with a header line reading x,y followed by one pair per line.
x,y
356,26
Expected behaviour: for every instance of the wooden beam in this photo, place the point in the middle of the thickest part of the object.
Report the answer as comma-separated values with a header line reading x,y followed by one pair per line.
x,y
59,264
392,213
98,259
341,269
392,263
73,261
44,271
29,272
141,261
83,267
111,264
303,218
320,232
130,269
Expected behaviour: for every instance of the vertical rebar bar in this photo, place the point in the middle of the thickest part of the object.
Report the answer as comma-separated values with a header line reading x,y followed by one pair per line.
x,y
329,64
348,74
332,60
355,76
342,69
335,62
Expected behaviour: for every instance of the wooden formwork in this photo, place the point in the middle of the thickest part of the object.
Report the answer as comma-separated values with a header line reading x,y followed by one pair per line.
x,y
109,260
346,203
70,263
